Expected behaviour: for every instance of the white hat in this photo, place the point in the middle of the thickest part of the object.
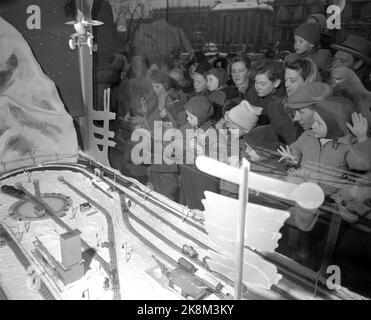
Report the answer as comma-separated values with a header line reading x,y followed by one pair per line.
x,y
245,115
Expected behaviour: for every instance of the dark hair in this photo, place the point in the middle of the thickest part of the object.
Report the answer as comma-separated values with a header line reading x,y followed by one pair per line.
x,y
223,63
274,69
305,67
238,58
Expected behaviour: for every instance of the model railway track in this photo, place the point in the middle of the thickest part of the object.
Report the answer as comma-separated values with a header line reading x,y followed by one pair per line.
x,y
125,215
145,195
111,272
140,193
164,221
21,257
111,238
128,182
275,288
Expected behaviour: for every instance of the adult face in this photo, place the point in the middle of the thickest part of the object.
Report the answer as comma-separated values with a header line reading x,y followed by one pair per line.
x,y
263,85
199,82
319,126
301,45
305,117
293,81
240,73
343,59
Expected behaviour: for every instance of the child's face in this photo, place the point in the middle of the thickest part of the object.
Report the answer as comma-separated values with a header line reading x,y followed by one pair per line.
x,y
293,81
319,126
158,88
199,82
232,125
192,119
263,85
212,82
301,45
305,117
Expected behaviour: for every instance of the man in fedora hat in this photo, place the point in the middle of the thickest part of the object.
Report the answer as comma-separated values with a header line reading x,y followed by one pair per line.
x,y
354,53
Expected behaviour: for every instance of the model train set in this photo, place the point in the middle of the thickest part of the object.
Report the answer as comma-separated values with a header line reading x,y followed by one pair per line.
x,y
74,228
134,244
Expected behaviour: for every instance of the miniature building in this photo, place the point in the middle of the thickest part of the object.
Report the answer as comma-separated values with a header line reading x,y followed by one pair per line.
x,y
72,267
39,211
84,207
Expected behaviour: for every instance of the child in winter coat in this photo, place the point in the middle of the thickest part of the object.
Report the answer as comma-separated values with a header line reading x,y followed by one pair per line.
x,y
166,111
216,81
231,144
326,152
194,183
307,45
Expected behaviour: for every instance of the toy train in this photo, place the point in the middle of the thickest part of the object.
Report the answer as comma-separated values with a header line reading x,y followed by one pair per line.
x,y
13,191
189,251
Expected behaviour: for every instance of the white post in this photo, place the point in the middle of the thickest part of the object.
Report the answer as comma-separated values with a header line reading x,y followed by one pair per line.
x,y
243,198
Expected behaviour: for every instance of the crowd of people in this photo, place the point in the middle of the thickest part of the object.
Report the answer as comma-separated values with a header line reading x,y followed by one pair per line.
x,y
311,110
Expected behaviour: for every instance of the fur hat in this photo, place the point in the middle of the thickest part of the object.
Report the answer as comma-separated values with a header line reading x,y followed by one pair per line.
x,y
310,32
201,107
245,115
335,112
308,94
219,74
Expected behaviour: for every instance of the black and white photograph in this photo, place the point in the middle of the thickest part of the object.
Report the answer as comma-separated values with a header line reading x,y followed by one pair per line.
x,y
188,155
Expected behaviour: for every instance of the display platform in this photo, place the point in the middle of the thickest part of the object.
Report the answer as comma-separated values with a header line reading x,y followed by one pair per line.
x,y
135,244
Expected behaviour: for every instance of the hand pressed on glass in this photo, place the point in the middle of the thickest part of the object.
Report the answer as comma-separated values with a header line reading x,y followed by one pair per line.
x,y
287,155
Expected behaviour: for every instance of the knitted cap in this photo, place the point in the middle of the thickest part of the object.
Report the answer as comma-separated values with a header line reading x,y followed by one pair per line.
x,y
310,32
245,115
320,19
335,112
308,94
160,76
201,107
219,74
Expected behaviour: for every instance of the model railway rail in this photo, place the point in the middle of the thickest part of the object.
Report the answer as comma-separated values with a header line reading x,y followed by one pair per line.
x,y
146,194
126,214
116,177
128,225
195,260
111,237
163,220
43,289
111,272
